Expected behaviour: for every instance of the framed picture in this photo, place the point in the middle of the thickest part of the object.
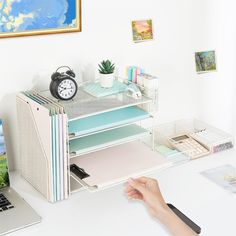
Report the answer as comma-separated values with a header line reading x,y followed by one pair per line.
x,y
32,17
205,61
142,30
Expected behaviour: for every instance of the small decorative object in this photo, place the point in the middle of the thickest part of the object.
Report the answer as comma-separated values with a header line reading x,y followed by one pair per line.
x,y
106,69
134,91
21,18
63,86
142,30
205,61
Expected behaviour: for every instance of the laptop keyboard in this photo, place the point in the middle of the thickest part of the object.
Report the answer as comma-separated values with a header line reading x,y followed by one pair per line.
x,y
4,203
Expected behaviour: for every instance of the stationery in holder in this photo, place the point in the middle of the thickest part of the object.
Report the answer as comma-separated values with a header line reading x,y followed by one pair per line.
x,y
215,140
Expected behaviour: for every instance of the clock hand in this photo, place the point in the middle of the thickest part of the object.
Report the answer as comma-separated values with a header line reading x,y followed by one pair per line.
x,y
64,88
67,88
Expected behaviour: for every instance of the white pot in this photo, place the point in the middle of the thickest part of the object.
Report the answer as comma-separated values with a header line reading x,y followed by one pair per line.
x,y
106,80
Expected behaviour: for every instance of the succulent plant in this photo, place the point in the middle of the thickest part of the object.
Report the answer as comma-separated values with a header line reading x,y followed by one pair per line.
x,y
106,67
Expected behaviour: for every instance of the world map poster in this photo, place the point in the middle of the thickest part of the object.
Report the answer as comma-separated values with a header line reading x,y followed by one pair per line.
x,y
29,17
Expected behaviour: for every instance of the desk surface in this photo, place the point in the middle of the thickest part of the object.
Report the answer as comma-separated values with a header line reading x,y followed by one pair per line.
x,y
109,212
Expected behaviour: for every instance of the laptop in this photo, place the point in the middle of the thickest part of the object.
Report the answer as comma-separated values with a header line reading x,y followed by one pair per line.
x,y
15,213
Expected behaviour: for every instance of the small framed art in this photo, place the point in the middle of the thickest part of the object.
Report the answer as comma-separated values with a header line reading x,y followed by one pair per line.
x,y
30,17
205,61
142,30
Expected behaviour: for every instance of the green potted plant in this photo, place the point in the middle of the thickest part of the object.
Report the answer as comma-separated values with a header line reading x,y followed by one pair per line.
x,y
106,70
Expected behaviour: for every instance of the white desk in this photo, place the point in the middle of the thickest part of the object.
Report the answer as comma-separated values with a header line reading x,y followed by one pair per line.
x,y
109,213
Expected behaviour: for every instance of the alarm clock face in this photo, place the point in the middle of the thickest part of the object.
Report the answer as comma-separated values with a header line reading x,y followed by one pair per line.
x,y
67,89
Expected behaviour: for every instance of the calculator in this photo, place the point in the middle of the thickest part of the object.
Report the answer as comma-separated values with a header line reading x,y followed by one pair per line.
x,y
189,146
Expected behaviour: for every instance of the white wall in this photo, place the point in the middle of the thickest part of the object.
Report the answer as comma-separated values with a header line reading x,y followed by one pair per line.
x,y
178,27
214,28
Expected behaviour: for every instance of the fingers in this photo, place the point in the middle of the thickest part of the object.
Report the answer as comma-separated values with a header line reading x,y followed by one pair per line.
x,y
134,191
136,196
131,191
145,180
128,188
142,180
138,186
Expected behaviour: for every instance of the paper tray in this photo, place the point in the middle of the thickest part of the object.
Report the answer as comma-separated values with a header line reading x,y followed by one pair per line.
x,y
117,164
105,139
106,120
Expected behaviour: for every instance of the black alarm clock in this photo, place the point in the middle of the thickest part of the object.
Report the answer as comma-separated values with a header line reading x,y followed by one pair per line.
x,y
63,86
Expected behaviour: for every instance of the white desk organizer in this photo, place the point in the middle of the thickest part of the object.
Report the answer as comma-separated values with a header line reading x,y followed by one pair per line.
x,y
107,137
213,139
103,136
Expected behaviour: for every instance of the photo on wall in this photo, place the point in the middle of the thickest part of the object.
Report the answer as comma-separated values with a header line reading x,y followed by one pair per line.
x,y
32,17
205,61
142,30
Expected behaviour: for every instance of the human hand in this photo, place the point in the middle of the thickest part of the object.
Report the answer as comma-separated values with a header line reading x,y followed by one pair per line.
x,y
147,190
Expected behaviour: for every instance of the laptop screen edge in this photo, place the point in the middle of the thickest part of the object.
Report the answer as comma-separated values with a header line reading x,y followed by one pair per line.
x,y
4,172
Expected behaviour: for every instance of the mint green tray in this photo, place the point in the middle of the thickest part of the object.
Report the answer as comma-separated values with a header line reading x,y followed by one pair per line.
x,y
96,90
106,120
107,138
